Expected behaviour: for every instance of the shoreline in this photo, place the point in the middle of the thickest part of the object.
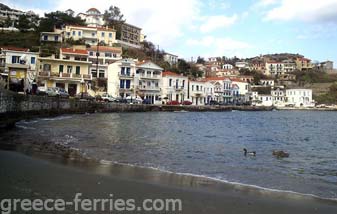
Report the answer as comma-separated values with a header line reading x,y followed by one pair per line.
x,y
40,170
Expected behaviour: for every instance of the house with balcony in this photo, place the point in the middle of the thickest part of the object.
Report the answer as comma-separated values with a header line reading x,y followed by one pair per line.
x,y
274,68
51,37
218,88
121,78
289,66
279,96
18,67
174,87
148,80
303,64
70,70
171,58
101,57
196,92
90,35
299,97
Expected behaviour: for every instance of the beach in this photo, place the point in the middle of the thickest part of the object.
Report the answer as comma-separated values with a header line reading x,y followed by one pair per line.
x,y
25,176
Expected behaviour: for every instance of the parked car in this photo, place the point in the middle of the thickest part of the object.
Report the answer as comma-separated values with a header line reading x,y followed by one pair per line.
x,y
85,96
187,103
213,103
173,103
107,98
61,92
147,101
51,92
41,91
120,100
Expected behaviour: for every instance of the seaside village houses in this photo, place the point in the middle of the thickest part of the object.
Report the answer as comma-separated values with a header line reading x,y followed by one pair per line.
x,y
97,67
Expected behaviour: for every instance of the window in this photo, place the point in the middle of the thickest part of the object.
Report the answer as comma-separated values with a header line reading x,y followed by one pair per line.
x,y
103,34
197,88
101,74
122,83
61,68
32,60
45,37
74,33
68,34
170,82
107,54
183,83
56,38
93,34
177,83
46,67
78,70
91,53
15,59
128,71
79,33
69,69
94,73
122,70
110,35
127,83
192,87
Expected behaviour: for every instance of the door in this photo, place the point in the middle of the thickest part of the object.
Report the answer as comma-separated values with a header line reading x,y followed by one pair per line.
x,y
72,88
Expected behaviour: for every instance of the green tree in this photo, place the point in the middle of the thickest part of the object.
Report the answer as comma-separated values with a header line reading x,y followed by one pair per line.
x,y
8,22
114,18
58,19
201,60
23,23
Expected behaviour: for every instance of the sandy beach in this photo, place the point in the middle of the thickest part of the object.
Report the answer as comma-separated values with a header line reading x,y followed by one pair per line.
x,y
25,176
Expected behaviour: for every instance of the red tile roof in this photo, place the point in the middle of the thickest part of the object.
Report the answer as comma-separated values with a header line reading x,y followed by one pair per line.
x,y
105,49
93,9
74,51
15,49
170,73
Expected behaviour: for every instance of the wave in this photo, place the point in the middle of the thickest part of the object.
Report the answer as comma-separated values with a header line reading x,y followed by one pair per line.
x,y
236,185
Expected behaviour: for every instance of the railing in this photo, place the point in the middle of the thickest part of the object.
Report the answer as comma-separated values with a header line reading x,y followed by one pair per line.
x,y
125,75
153,88
65,75
150,76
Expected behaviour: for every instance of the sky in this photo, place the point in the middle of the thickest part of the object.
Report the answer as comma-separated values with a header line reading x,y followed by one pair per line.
x,y
207,28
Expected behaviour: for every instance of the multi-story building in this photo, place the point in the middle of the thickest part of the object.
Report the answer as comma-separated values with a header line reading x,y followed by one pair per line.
x,y
327,66
148,81
303,64
105,56
69,71
299,97
171,59
14,15
242,64
209,92
289,66
174,87
274,68
121,78
93,18
130,36
279,96
218,88
196,93
267,82
18,67
51,37
91,35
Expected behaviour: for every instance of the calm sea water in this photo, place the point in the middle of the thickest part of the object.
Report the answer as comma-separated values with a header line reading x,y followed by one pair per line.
x,y
209,144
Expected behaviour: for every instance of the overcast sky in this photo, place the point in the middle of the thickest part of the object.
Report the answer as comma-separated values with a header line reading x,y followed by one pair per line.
x,y
242,28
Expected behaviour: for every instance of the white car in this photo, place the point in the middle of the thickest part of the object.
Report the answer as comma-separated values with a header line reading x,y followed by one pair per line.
x,y
107,98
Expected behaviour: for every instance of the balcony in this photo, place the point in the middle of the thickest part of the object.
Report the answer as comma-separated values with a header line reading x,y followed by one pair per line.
x,y
125,76
148,88
178,88
148,76
65,76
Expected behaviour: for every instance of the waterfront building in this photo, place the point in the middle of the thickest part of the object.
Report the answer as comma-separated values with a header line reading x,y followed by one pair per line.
x,y
93,17
279,97
121,78
196,93
69,71
209,92
174,87
18,67
299,97
240,90
91,35
264,100
148,79
218,88
101,57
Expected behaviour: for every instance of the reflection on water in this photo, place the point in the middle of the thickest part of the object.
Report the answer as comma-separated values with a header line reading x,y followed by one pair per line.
x,y
208,144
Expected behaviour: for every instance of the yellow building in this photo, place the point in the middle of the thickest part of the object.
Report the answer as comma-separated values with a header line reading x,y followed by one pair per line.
x,y
91,35
303,64
69,71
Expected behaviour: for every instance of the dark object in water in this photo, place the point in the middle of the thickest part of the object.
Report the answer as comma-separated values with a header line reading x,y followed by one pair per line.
x,y
280,154
249,153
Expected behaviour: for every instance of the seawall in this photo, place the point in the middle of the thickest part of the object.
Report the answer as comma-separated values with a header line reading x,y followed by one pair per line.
x,y
15,107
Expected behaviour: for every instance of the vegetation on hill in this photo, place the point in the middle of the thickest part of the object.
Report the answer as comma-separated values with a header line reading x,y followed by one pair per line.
x,y
313,76
58,19
114,18
256,74
328,98
29,40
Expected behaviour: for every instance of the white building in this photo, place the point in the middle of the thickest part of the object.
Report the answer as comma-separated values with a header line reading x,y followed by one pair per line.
x,y
274,68
196,93
209,92
148,81
299,97
242,64
93,18
174,87
279,97
267,82
51,37
121,78
227,67
264,100
21,65
171,59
